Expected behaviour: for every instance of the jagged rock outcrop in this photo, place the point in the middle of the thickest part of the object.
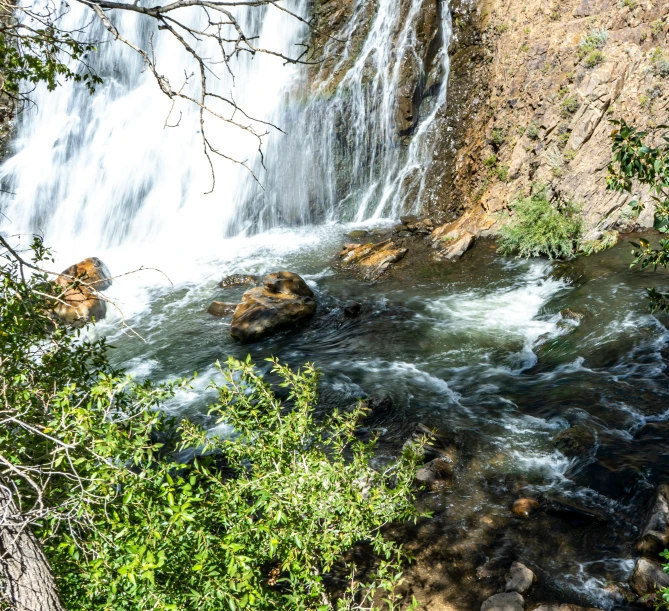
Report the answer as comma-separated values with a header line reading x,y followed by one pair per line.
x,y
285,301
655,536
79,302
370,261
548,100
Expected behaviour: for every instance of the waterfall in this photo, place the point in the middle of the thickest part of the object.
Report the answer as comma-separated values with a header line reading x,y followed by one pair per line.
x,y
120,168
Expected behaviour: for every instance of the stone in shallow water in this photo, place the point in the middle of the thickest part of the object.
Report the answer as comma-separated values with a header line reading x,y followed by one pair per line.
x,y
284,302
371,261
655,536
647,577
510,601
436,471
238,280
356,234
221,308
576,441
519,579
524,508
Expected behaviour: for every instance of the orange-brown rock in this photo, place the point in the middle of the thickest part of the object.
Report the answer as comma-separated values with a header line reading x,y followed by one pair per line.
x,y
524,508
79,301
221,308
90,271
371,261
284,302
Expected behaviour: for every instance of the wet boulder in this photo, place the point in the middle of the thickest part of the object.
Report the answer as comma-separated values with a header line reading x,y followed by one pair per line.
x,y
371,261
576,441
284,302
647,577
524,508
352,309
454,249
79,300
655,535
238,280
437,471
357,234
435,444
520,579
562,607
509,601
221,309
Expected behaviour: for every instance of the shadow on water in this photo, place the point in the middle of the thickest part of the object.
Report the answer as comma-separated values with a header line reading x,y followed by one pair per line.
x,y
500,355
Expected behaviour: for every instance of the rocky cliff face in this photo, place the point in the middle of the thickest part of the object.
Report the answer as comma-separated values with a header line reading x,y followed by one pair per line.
x,y
556,73
532,87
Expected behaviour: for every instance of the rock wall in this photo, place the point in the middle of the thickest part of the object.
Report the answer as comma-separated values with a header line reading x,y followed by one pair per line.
x,y
548,100
528,101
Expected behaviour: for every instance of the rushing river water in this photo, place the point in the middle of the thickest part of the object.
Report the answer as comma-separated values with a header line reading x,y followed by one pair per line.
x,y
481,351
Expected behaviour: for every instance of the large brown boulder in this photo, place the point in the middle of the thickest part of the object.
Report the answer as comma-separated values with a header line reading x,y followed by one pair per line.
x,y
283,302
655,537
647,577
79,302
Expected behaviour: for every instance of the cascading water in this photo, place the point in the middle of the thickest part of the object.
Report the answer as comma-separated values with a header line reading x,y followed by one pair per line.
x,y
103,171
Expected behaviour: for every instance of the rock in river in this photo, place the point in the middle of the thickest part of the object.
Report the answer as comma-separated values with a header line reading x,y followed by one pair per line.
x,y
647,577
80,303
238,280
655,536
510,601
524,508
284,302
371,261
221,308
575,441
519,579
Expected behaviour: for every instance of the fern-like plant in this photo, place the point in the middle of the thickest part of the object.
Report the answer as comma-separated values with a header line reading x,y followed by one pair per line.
x,y
540,228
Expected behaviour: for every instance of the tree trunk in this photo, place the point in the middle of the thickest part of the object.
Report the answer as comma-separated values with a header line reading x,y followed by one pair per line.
x,y
26,581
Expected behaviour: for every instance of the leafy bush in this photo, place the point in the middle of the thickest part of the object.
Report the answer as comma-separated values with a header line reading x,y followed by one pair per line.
x,y
254,520
594,58
498,137
569,106
532,131
660,63
596,39
540,229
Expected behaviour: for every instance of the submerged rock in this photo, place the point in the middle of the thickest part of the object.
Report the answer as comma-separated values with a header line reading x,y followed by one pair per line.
x,y
520,579
655,535
284,302
562,607
79,302
647,577
238,280
438,470
371,261
221,308
509,601
357,234
524,508
352,309
575,441
436,445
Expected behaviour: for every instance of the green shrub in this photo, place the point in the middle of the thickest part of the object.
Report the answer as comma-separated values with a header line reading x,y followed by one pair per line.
x,y
540,229
490,162
498,137
569,106
251,522
660,63
503,172
657,27
532,131
596,39
594,58
608,240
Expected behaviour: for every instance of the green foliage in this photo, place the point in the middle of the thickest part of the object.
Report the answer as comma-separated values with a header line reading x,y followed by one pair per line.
x,y
635,158
660,63
594,58
608,240
139,512
657,27
532,131
498,137
539,228
39,55
595,39
569,106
